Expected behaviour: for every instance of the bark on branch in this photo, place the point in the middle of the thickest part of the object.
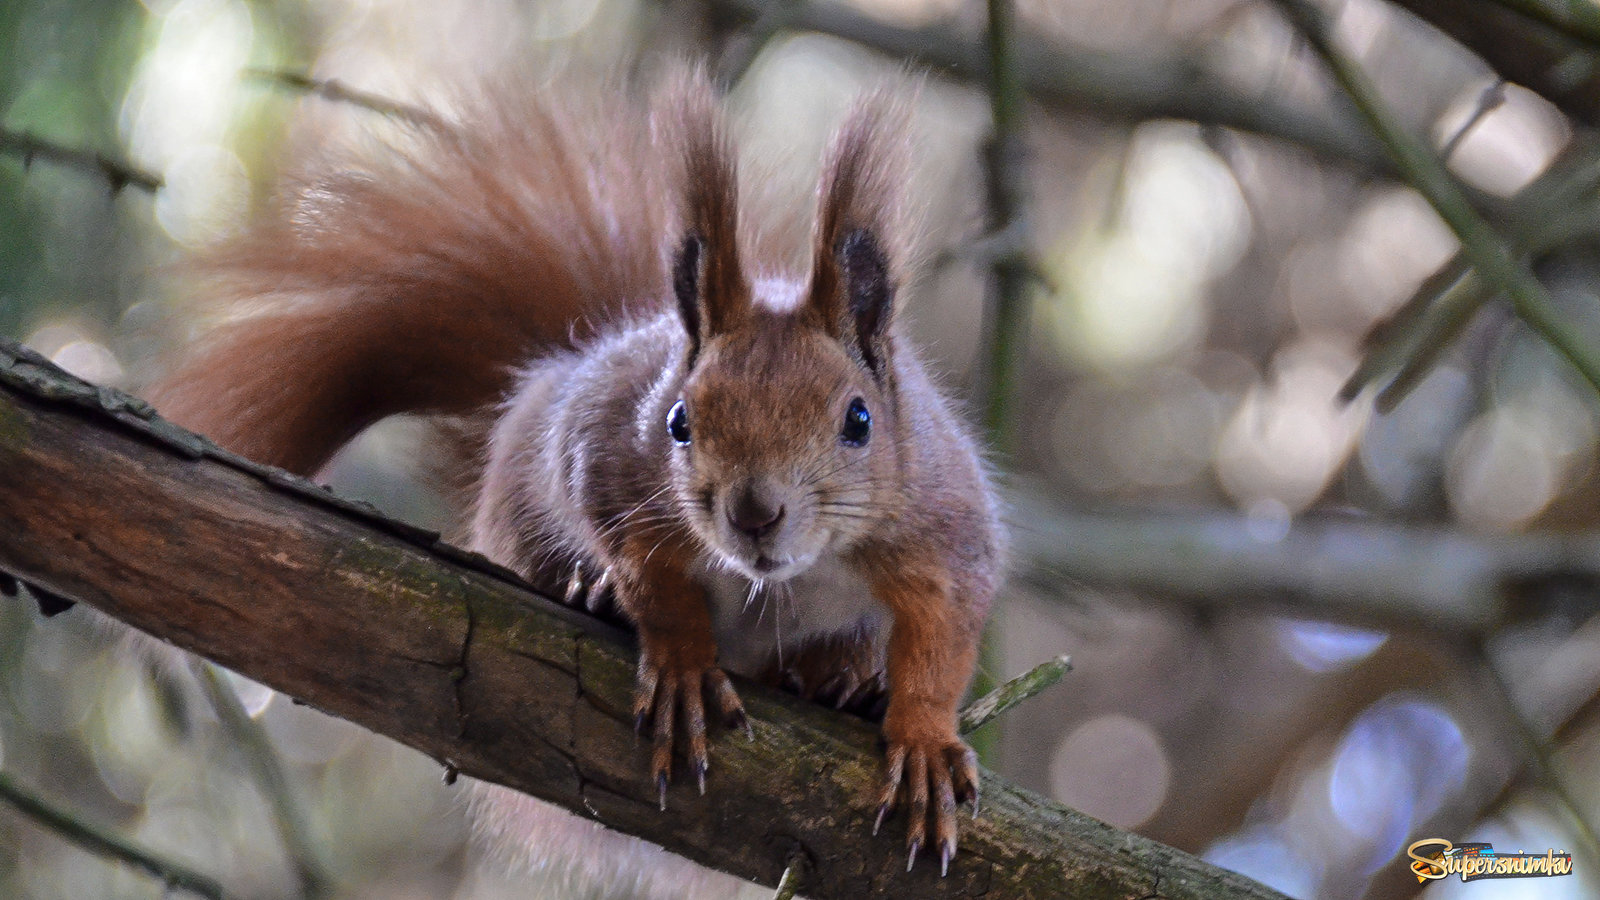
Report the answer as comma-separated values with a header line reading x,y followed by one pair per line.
x,y
381,624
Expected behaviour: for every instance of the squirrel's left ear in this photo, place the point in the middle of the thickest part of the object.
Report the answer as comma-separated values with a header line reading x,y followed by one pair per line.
x,y
707,279
853,277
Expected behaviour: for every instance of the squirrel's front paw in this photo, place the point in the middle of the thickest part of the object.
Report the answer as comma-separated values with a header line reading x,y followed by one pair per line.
x,y
940,768
670,694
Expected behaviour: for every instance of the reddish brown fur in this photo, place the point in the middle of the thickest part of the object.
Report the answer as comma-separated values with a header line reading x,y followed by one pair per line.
x,y
420,282
414,281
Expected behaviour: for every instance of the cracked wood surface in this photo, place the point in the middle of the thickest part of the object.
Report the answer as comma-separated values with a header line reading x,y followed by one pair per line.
x,y
381,624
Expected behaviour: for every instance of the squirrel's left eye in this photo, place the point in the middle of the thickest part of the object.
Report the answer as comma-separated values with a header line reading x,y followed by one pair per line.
x,y
857,424
678,424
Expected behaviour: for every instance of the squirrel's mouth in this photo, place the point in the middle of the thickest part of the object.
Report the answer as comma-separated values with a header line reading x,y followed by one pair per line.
x,y
767,566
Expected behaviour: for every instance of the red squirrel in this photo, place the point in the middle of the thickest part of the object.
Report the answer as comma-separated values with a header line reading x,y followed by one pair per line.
x,y
749,453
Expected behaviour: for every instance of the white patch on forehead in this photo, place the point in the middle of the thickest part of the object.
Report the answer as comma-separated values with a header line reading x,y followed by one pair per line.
x,y
778,294
828,598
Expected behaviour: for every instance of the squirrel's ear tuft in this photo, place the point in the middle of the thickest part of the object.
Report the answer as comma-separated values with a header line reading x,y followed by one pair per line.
x,y
707,279
686,287
855,260
869,293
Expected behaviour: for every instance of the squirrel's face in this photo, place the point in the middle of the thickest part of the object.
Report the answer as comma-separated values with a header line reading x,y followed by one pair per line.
x,y
784,441
783,446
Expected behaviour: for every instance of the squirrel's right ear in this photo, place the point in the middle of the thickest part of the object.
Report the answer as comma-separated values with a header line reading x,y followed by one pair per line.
x,y
707,281
854,265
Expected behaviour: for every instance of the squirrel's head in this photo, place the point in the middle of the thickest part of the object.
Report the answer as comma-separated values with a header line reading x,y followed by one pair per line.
x,y
786,436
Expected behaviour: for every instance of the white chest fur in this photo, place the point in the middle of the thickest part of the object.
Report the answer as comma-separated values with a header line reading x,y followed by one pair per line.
x,y
756,624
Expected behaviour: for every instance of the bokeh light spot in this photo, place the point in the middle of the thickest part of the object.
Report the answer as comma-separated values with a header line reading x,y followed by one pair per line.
x,y
1395,766
1327,647
1114,768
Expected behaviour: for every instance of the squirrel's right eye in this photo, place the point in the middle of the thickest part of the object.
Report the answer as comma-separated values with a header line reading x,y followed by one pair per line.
x,y
678,424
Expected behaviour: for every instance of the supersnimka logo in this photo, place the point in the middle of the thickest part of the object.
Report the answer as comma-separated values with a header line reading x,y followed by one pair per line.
x,y
1435,858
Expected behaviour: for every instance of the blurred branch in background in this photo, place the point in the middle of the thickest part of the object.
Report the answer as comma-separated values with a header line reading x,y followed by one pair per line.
x,y
1546,45
1114,85
121,175
1006,303
251,741
1006,176
173,875
1560,209
1492,98
1578,19
1361,572
1489,252
336,91
1538,755
740,53
1537,729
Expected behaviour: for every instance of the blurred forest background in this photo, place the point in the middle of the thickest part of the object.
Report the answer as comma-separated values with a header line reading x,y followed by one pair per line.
x,y
1307,629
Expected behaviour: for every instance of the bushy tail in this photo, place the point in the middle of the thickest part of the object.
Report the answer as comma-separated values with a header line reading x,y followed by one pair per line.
x,y
413,275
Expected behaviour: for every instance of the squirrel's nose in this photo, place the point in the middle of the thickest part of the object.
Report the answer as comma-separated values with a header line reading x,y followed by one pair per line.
x,y
755,512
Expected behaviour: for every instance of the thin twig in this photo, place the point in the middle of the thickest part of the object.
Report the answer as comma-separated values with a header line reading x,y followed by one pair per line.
x,y
1029,684
1423,170
1154,86
1405,348
789,884
118,173
1005,161
742,54
1392,342
103,842
337,92
1444,322
252,742
1492,98
1577,19
1539,757
1006,313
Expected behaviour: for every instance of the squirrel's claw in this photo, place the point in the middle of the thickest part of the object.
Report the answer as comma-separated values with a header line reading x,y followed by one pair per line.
x,y
672,705
729,707
574,586
665,708
883,812
933,778
595,594
917,799
600,600
963,766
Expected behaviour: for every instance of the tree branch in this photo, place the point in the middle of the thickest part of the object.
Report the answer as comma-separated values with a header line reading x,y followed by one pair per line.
x,y
1487,249
118,173
1534,43
335,91
106,843
250,740
1578,19
1336,569
382,624
1152,87
1022,688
